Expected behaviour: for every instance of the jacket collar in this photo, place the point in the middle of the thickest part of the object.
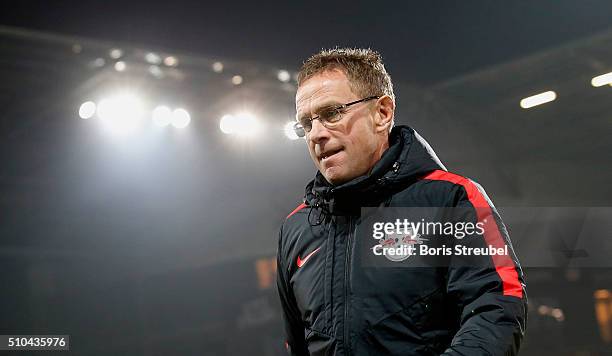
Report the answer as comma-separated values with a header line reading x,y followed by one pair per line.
x,y
408,158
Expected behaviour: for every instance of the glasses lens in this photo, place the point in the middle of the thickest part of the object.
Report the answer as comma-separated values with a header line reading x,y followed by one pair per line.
x,y
330,115
305,124
299,129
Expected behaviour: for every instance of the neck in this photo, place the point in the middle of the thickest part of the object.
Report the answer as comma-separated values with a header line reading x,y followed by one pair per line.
x,y
378,154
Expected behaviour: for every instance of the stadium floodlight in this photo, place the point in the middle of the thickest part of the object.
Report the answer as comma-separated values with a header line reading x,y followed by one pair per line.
x,y
246,124
243,124
283,76
538,99
171,61
162,116
180,118
115,53
153,58
87,110
226,124
602,80
120,66
217,67
237,80
121,113
290,131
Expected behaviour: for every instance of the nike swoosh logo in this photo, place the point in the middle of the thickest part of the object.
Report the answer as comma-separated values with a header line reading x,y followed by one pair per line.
x,y
300,262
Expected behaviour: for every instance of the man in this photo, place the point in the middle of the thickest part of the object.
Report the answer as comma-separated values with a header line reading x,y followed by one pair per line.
x,y
331,303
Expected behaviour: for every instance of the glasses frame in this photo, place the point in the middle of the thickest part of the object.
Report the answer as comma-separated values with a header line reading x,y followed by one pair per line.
x,y
300,130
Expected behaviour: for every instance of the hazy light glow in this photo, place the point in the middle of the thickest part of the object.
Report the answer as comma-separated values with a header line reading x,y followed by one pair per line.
x,y
226,124
217,67
152,58
180,118
602,80
120,66
538,99
243,124
115,53
602,294
236,80
162,116
290,132
121,113
283,76
156,71
98,62
557,314
87,110
544,310
171,61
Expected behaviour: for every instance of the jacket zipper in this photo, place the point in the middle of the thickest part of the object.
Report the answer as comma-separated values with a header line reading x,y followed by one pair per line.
x,y
347,276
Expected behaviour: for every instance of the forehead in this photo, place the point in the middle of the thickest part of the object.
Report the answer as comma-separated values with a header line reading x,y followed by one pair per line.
x,y
329,87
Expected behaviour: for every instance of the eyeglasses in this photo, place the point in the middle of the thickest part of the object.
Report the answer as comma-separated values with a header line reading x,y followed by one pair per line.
x,y
328,116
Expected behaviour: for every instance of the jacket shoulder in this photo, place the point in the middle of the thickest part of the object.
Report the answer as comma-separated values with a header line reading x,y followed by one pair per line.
x,y
446,176
436,188
293,223
470,189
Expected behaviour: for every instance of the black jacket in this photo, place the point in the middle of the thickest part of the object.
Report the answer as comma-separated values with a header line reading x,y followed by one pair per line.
x,y
332,305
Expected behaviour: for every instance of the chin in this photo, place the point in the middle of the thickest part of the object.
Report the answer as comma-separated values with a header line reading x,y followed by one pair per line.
x,y
335,178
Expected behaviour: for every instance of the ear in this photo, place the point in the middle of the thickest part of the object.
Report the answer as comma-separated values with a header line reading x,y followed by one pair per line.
x,y
385,109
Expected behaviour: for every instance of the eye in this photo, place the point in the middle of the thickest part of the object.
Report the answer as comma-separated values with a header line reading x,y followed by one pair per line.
x,y
330,115
304,122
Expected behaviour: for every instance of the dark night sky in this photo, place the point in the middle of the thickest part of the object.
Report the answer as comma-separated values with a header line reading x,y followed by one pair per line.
x,y
422,42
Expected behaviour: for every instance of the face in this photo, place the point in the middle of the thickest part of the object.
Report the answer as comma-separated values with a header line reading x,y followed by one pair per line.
x,y
351,147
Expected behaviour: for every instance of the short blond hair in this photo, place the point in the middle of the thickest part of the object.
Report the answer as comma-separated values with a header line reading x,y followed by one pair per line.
x,y
363,67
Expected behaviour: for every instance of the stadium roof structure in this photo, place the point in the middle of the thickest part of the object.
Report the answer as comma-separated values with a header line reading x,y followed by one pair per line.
x,y
555,153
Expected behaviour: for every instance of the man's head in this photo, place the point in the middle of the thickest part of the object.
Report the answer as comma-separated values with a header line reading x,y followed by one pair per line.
x,y
350,147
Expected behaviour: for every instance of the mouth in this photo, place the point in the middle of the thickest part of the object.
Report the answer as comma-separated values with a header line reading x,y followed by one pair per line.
x,y
329,154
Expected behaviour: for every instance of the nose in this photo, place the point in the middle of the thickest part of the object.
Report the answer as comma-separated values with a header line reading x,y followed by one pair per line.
x,y
318,133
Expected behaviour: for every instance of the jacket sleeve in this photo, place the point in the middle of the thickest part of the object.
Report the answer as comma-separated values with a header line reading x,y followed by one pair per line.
x,y
490,290
294,328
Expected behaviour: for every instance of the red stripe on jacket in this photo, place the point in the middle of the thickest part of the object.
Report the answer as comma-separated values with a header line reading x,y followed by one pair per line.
x,y
504,265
